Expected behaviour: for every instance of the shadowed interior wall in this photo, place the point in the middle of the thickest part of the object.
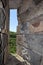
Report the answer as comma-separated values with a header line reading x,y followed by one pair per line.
x,y
29,30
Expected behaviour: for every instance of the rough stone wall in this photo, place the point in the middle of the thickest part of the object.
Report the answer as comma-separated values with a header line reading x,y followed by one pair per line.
x,y
30,32
4,29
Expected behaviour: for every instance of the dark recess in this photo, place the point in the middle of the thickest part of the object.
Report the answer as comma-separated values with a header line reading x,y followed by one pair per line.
x,y
37,1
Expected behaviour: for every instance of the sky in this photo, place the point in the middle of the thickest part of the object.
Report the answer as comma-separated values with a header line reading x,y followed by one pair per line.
x,y
13,20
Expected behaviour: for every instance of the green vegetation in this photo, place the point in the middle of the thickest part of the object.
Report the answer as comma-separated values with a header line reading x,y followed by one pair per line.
x,y
12,42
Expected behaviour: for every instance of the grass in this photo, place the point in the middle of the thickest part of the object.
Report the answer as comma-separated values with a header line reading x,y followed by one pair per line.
x,y
12,42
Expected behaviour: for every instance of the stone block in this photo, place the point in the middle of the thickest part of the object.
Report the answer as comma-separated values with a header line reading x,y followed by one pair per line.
x,y
35,59
5,54
18,29
18,47
24,28
24,6
35,42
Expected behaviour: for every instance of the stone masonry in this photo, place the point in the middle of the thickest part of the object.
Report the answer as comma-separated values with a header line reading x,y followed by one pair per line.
x,y
29,39
30,31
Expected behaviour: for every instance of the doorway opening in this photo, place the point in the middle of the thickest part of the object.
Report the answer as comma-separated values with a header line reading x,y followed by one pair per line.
x,y
13,30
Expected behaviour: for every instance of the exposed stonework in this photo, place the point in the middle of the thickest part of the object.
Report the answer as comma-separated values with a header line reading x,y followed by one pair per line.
x,y
29,30
30,34
4,29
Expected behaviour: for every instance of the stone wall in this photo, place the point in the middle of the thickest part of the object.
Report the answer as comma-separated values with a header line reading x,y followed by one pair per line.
x,y
4,29
30,32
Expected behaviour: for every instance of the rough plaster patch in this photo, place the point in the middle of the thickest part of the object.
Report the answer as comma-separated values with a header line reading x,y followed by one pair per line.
x,y
36,29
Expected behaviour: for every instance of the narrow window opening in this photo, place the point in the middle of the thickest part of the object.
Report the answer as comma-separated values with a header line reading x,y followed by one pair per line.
x,y
13,30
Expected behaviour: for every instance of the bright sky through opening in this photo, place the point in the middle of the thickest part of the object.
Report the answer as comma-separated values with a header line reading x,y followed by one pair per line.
x,y
13,20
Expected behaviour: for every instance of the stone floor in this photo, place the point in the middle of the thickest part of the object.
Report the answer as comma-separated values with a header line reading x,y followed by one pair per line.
x,y
14,60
